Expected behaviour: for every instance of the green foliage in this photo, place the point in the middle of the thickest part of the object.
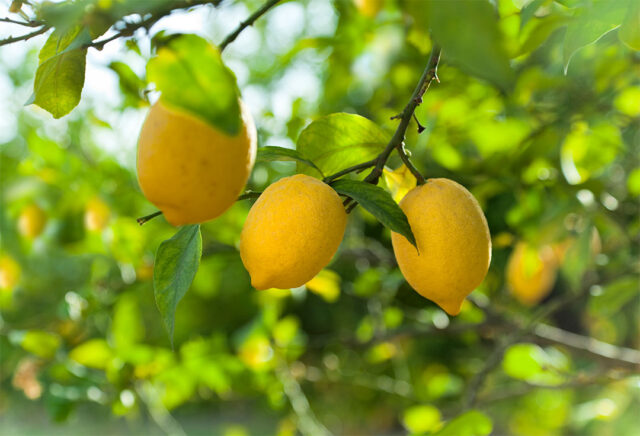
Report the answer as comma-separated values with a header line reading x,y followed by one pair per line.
x,y
338,141
190,73
549,156
176,263
60,75
379,203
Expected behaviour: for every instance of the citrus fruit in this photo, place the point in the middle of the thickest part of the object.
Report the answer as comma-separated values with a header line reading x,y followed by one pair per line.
x,y
531,272
292,232
9,272
31,221
189,169
454,245
96,215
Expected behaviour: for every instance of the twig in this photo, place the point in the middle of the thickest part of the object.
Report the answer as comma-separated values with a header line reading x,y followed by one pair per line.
x,y
246,23
25,37
405,159
359,167
30,23
249,194
144,219
308,423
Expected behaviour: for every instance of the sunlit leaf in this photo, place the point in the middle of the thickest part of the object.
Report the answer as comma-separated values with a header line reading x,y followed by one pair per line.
x,y
176,263
379,203
471,423
42,344
479,49
422,419
629,32
272,153
95,353
338,141
399,181
190,73
614,296
60,75
590,22
531,363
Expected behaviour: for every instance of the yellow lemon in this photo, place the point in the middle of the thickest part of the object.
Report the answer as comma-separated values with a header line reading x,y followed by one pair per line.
x,y
369,8
190,170
454,245
292,232
9,272
531,272
31,221
96,215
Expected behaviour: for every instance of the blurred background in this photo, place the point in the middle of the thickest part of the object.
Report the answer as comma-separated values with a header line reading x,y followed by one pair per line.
x,y
553,163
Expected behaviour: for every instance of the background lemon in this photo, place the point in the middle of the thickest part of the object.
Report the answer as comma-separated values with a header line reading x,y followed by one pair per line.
x,y
31,221
9,272
453,242
190,170
531,272
96,215
292,232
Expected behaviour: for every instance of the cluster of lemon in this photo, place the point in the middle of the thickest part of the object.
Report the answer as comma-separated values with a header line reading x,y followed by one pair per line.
x,y
194,172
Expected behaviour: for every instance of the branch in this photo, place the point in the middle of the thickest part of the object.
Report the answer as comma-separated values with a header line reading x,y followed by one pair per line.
x,y
30,23
359,167
429,74
619,356
25,37
246,23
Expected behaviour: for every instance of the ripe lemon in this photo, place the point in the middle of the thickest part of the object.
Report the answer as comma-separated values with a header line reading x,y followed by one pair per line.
x,y
9,272
292,232
31,221
531,272
96,215
190,170
454,245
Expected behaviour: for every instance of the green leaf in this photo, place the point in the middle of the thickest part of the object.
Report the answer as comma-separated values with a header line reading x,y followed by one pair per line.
x,y
629,32
590,23
60,74
478,49
471,423
578,259
42,344
529,11
271,153
130,84
175,267
338,141
95,353
531,363
379,203
190,73
614,296
421,419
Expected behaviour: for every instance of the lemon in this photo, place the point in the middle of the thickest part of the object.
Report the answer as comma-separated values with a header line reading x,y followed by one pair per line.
x,y
189,169
454,245
31,221
96,215
531,272
9,272
292,232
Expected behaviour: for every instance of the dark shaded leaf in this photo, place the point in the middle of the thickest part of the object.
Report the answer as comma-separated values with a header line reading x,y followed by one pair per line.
x,y
175,267
379,203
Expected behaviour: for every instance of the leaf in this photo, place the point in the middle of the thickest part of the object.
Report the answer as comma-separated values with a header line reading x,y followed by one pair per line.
x,y
338,141
60,74
95,353
529,11
273,153
421,419
130,84
614,296
379,203
590,23
175,267
471,423
578,259
42,344
531,363
191,76
629,32
399,181
478,49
